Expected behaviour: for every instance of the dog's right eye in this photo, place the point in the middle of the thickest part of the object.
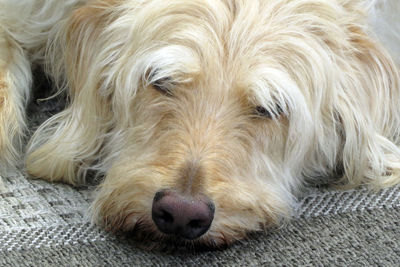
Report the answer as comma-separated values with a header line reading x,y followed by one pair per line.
x,y
163,86
162,89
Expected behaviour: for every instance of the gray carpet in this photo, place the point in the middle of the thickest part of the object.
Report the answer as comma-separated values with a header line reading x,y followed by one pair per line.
x,y
369,238
43,224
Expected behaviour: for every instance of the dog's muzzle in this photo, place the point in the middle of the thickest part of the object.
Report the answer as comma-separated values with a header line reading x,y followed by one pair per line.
x,y
180,215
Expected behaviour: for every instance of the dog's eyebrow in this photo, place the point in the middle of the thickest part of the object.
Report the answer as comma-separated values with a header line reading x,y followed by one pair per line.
x,y
173,61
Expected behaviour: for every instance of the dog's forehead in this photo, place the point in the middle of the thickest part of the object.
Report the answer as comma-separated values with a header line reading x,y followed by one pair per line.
x,y
223,43
220,32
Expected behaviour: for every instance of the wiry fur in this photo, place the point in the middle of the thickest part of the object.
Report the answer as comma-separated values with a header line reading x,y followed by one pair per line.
x,y
330,88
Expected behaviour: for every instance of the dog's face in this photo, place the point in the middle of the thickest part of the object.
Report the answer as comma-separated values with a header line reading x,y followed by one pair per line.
x,y
210,114
203,109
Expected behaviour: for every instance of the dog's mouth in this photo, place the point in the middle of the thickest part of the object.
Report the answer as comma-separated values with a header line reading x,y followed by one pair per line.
x,y
146,235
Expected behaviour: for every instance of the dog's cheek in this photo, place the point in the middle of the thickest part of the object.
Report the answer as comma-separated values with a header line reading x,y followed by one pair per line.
x,y
125,197
242,207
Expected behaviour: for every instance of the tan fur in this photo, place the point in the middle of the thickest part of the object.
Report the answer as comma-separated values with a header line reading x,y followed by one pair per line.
x,y
331,90
12,102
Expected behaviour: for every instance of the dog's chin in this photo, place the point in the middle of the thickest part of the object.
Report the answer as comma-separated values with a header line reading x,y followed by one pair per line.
x,y
146,235
155,240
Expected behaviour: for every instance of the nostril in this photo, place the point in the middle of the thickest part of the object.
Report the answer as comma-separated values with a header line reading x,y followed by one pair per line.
x,y
196,227
166,217
164,220
196,224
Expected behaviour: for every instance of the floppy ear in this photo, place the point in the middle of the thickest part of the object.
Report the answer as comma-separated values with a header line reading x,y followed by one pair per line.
x,y
73,52
91,55
368,109
68,143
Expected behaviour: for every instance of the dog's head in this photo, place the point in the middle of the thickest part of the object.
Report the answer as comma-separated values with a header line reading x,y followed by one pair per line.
x,y
211,107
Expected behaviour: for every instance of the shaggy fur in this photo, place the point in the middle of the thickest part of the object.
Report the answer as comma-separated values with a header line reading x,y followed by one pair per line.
x,y
241,101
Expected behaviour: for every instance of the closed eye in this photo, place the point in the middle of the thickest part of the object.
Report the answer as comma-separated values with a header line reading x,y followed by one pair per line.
x,y
163,86
268,113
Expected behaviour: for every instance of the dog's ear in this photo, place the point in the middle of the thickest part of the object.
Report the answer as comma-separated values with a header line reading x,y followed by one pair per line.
x,y
71,140
368,111
73,54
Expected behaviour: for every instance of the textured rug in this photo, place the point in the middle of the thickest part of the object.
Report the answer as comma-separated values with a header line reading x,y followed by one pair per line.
x,y
44,224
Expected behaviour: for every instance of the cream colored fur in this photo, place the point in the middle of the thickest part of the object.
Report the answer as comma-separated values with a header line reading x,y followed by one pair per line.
x,y
329,89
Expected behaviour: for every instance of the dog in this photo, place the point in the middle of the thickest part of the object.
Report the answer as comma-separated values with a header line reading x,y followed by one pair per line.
x,y
204,118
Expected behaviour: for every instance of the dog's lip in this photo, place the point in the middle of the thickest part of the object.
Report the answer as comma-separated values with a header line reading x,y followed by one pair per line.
x,y
146,233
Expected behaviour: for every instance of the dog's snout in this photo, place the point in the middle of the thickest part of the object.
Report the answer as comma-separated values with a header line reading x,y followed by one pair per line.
x,y
187,217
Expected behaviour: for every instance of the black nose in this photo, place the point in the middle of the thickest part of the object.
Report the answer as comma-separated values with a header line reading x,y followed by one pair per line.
x,y
187,217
